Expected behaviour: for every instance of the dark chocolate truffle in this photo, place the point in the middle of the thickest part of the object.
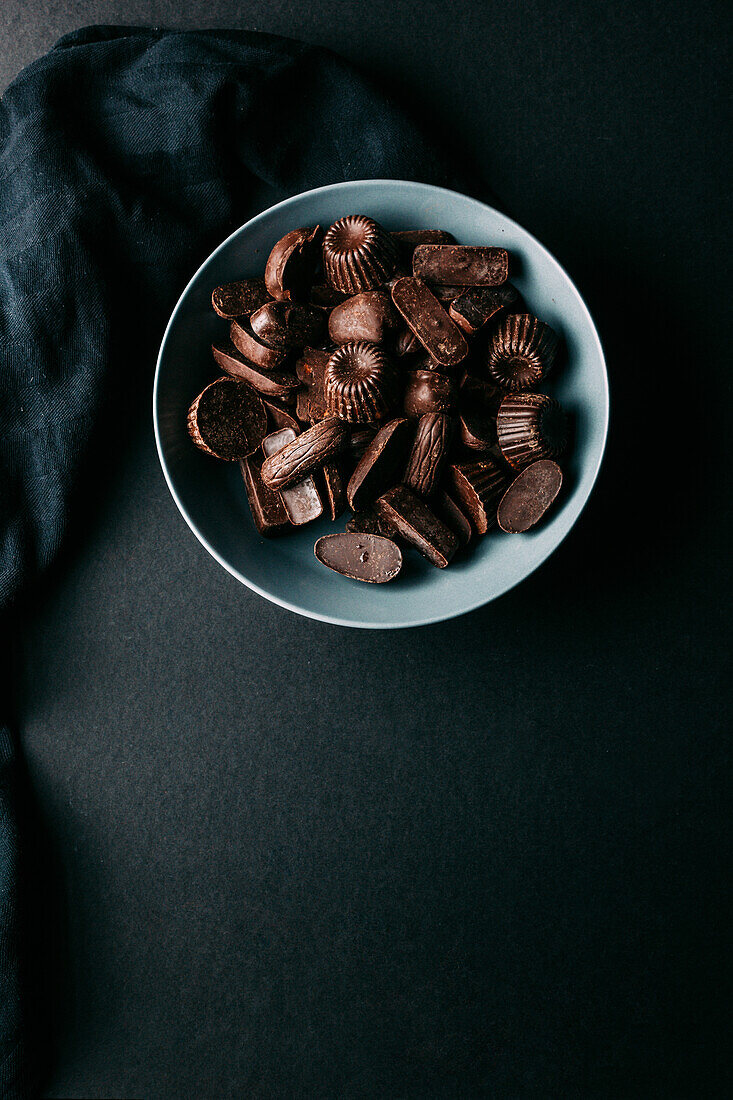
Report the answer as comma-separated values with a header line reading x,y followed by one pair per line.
x,y
521,352
530,426
428,391
359,383
227,420
358,254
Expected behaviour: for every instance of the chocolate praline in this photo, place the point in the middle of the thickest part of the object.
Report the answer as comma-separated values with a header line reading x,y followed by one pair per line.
x,y
358,254
530,426
428,391
521,352
359,383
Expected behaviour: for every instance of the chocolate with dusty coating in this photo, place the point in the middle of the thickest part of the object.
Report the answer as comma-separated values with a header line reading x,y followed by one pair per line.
x,y
441,338
368,316
238,299
360,556
428,391
287,325
280,384
461,264
380,465
429,453
305,453
227,420
413,520
268,511
292,264
529,496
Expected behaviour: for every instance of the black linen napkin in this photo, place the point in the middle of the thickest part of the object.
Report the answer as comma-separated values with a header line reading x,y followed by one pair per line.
x,y
126,154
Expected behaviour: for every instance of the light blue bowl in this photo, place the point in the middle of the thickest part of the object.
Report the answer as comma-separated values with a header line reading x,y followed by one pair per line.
x,y
211,494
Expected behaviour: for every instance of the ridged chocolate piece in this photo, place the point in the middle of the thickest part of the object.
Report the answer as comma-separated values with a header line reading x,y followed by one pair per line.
x,y
301,501
414,521
380,465
461,264
359,383
529,496
478,486
369,316
427,391
441,338
280,384
472,309
287,325
239,299
358,254
248,345
268,511
521,352
292,264
227,420
305,453
530,426
429,453
361,557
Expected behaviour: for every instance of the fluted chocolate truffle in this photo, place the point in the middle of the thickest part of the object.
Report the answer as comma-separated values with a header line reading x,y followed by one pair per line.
x,y
359,383
530,426
358,254
521,352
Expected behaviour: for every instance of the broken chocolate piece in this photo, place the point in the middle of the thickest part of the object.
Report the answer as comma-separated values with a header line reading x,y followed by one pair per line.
x,y
358,254
280,384
440,337
287,325
292,264
407,241
304,453
429,452
359,556
359,383
227,420
407,343
279,417
427,391
369,316
239,299
248,345
529,496
448,511
380,465
300,500
478,486
414,521
268,511
360,440
370,522
461,264
474,307
335,488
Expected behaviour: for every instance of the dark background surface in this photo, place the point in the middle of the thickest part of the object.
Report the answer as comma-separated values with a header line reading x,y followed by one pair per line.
x,y
483,858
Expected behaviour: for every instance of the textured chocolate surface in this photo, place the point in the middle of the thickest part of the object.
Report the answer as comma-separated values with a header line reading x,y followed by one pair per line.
x,y
430,323
477,487
359,383
360,556
530,426
380,465
280,384
252,348
358,254
474,307
529,496
368,316
414,521
461,264
429,453
227,420
301,500
521,352
292,264
269,514
287,325
239,299
304,453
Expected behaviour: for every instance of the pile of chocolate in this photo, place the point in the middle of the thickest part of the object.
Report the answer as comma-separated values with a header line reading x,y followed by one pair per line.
x,y
395,373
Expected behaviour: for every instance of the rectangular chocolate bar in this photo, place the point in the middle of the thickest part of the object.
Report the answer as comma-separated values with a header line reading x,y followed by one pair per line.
x,y
441,338
461,264
412,519
268,511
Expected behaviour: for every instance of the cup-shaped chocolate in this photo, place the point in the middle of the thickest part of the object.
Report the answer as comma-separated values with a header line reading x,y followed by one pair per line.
x,y
359,383
358,254
521,352
530,426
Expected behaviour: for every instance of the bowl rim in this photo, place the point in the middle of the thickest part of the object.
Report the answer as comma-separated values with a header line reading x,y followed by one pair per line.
x,y
279,600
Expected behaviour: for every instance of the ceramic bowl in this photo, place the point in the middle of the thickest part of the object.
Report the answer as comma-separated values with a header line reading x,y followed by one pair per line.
x,y
211,496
